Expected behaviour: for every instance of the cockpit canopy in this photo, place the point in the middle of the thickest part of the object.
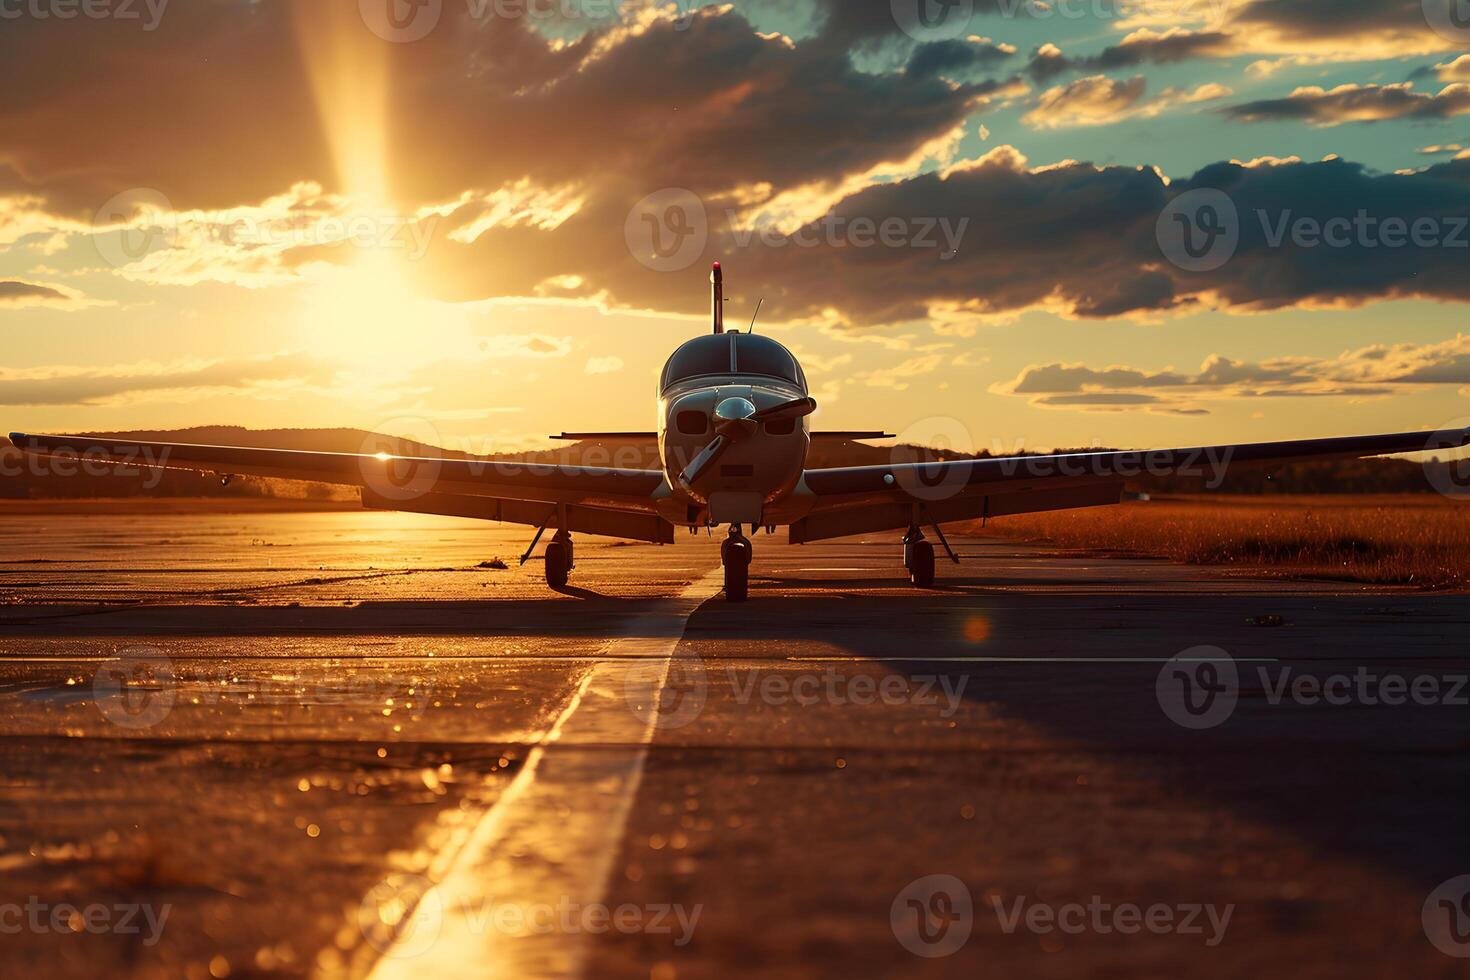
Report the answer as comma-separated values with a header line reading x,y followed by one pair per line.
x,y
732,353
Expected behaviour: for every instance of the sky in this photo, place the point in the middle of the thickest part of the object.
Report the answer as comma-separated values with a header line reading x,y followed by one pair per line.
x,y
987,224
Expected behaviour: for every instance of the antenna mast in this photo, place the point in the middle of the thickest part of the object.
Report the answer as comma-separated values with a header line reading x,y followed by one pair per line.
x,y
717,280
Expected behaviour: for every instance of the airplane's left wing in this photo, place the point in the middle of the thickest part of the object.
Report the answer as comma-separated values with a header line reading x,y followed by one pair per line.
x,y
862,499
596,500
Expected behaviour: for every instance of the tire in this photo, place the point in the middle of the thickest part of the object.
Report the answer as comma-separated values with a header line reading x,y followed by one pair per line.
x,y
921,564
737,580
558,564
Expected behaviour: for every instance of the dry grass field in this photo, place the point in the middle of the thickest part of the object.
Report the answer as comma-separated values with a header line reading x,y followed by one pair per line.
x,y
1408,539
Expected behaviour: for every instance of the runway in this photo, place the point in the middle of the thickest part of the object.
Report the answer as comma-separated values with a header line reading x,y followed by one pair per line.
x,y
345,744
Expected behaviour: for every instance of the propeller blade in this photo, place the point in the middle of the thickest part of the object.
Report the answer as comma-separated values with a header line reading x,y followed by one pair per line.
x,y
798,409
704,460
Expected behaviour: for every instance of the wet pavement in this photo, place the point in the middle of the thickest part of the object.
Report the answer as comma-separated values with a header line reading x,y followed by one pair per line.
x,y
349,744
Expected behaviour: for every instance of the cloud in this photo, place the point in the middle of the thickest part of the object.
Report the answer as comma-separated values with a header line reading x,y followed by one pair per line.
x,y
1143,46
1365,372
1454,71
957,58
72,386
1357,103
1091,101
15,294
604,365
1098,100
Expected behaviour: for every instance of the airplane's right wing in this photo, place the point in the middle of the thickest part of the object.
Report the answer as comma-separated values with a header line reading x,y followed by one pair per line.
x,y
862,499
594,500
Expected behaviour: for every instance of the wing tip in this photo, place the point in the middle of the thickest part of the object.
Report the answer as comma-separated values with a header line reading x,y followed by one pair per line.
x,y
18,436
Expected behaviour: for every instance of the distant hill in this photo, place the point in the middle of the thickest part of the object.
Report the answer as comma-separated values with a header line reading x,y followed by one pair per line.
x,y
27,478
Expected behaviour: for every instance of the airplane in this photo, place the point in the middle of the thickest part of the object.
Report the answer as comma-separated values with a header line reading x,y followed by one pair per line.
x,y
733,436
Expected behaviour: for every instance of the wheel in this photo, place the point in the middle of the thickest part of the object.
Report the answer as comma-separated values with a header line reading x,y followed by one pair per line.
x,y
921,564
737,581
736,554
558,564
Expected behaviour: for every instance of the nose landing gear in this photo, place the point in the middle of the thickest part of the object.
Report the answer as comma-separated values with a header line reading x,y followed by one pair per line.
x,y
736,553
918,558
559,560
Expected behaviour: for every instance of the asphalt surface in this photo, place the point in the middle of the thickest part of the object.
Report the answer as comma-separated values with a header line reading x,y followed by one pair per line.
x,y
332,744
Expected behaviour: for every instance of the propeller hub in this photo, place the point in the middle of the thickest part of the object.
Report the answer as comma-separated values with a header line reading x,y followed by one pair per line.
x,y
734,410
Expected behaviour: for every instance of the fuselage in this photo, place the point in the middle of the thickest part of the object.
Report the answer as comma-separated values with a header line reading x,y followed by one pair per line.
x,y
705,383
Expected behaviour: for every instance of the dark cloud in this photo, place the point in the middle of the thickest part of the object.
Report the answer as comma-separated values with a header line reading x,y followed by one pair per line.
x,y
1141,48
956,58
75,386
1357,103
15,292
1364,373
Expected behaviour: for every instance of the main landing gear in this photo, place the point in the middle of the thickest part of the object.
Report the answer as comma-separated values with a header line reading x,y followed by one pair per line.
x,y
735,554
918,558
559,562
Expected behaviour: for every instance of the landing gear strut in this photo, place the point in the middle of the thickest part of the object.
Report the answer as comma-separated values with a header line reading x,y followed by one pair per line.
x,y
559,563
918,558
735,554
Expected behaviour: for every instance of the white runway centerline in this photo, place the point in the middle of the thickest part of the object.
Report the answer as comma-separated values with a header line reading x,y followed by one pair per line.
x,y
550,840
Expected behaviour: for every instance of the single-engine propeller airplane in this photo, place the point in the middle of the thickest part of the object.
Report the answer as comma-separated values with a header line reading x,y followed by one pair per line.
x,y
733,439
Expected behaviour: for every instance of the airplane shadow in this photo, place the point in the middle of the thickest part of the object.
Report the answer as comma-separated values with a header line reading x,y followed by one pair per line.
x,y
1381,784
